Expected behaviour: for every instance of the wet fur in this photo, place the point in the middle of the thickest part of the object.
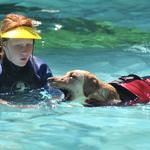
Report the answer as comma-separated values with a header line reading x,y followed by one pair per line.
x,y
85,87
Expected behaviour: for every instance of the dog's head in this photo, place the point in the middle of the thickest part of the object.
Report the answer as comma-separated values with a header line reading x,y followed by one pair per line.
x,y
71,84
76,83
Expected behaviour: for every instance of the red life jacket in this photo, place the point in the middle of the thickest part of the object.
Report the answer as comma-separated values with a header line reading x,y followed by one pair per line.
x,y
137,86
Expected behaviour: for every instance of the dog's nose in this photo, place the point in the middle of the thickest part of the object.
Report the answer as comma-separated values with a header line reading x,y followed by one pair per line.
x,y
51,79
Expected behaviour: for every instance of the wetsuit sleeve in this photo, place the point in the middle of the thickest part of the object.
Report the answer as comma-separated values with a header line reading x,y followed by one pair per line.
x,y
45,72
42,70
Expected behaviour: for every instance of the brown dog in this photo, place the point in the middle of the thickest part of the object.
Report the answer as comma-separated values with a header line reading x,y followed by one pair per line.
x,y
85,87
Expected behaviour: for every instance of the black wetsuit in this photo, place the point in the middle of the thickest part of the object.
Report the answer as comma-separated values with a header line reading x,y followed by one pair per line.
x,y
31,76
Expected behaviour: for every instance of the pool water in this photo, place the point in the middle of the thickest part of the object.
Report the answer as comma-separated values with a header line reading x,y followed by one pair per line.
x,y
69,125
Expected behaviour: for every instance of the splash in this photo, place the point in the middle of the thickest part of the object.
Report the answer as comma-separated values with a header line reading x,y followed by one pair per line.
x,y
34,98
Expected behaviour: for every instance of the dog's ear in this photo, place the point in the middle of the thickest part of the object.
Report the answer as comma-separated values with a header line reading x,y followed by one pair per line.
x,y
91,84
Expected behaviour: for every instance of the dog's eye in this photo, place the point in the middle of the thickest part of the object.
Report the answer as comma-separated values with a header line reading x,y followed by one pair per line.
x,y
72,76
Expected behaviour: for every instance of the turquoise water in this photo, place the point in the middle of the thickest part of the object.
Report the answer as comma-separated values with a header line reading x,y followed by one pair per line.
x,y
70,125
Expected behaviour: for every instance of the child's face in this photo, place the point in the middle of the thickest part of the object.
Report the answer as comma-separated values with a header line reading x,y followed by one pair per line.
x,y
18,51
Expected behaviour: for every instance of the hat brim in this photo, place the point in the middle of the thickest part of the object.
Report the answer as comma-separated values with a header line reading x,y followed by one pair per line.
x,y
22,32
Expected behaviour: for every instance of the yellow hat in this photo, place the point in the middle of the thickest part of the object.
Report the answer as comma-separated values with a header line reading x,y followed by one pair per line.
x,y
22,32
